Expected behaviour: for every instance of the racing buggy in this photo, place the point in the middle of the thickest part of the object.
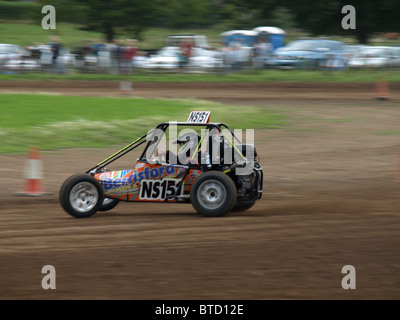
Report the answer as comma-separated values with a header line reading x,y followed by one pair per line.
x,y
206,165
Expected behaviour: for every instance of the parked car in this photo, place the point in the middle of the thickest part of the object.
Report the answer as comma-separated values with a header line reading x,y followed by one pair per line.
x,y
353,50
311,53
11,53
21,65
167,58
204,59
44,56
376,56
198,41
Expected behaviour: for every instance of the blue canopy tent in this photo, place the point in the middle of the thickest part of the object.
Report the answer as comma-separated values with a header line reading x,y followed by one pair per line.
x,y
245,38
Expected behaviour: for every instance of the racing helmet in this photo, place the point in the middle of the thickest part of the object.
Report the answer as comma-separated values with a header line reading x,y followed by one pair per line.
x,y
187,143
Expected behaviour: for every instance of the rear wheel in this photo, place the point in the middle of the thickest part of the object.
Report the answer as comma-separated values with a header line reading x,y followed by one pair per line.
x,y
81,195
213,194
242,207
108,204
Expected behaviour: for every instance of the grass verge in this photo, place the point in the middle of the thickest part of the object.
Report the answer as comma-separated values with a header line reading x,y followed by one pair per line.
x,y
366,76
53,122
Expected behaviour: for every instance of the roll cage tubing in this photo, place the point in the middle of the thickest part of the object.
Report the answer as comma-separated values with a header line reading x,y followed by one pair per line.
x,y
119,153
163,126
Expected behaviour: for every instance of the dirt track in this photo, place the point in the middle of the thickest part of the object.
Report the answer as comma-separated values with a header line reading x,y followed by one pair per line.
x,y
330,199
217,91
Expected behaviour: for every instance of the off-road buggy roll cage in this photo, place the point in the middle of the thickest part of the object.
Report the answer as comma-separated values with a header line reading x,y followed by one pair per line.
x,y
228,169
164,126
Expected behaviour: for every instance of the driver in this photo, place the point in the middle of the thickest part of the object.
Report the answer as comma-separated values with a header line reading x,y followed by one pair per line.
x,y
187,144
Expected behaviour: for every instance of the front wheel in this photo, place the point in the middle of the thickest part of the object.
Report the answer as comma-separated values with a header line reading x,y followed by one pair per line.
x,y
213,194
81,195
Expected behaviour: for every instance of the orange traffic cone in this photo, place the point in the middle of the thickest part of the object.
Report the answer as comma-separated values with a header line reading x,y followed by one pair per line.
x,y
33,175
382,90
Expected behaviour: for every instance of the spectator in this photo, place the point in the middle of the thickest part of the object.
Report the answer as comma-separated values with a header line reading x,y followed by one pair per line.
x,y
82,52
115,56
101,51
236,57
135,52
45,57
55,49
96,47
262,53
128,54
186,49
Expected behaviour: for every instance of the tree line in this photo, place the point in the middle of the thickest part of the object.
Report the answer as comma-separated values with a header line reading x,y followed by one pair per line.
x,y
322,17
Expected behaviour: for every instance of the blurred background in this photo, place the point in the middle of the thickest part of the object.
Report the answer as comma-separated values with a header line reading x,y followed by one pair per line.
x,y
197,36
327,134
